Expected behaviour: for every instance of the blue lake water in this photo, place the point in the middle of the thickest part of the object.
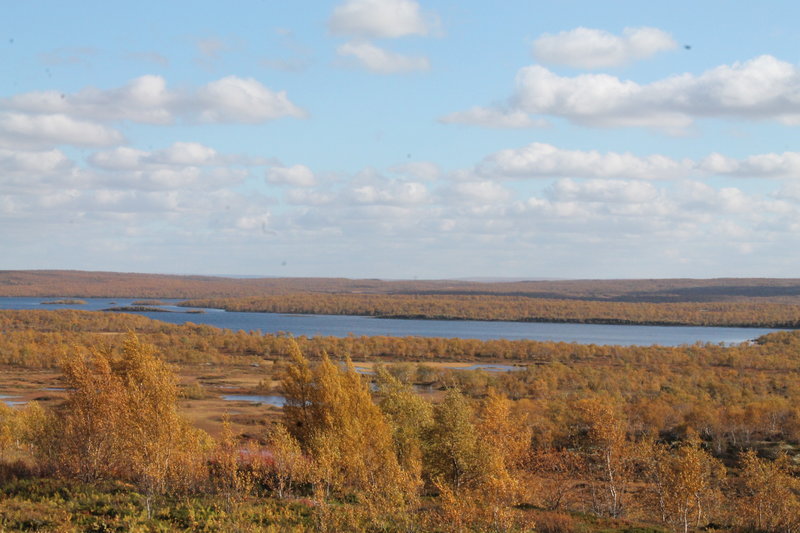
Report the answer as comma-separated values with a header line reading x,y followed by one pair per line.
x,y
344,325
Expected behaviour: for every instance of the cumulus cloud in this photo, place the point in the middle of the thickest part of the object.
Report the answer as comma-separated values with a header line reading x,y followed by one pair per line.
x,y
591,48
540,160
377,59
296,175
380,18
607,191
234,99
763,88
144,99
119,158
309,197
181,165
709,201
162,178
186,153
480,192
788,192
785,165
147,99
180,153
391,193
23,130
33,163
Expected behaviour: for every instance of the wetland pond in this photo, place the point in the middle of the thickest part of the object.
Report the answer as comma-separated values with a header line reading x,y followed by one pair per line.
x,y
272,399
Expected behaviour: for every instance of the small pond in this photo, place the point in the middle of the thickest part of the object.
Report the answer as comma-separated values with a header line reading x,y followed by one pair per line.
x,y
277,401
491,368
11,403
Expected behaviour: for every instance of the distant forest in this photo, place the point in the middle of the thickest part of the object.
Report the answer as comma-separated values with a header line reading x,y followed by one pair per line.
x,y
75,283
752,302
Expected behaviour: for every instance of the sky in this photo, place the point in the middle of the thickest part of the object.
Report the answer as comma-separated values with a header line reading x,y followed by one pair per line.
x,y
401,139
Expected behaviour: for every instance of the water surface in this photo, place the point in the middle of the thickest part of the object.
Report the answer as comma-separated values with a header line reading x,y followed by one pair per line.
x,y
277,401
344,325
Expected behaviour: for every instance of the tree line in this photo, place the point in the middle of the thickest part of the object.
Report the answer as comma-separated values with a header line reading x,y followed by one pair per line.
x,y
83,284
518,308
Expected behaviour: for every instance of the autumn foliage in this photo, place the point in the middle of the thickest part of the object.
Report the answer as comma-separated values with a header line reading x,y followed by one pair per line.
x,y
582,438
120,421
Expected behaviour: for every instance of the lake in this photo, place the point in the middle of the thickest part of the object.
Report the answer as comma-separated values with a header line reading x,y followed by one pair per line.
x,y
344,325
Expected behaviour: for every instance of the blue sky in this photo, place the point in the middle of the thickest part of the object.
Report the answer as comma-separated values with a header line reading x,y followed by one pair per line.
x,y
401,139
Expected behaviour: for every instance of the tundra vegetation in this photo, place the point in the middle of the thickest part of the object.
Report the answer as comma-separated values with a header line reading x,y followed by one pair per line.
x,y
710,302
583,438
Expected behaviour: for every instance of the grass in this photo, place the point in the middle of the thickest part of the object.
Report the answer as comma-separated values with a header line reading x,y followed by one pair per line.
x,y
56,505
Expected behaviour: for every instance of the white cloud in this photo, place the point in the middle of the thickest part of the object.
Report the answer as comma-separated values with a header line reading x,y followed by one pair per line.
x,y
607,191
234,99
592,48
180,154
380,18
296,175
309,197
174,179
763,88
254,222
493,118
56,199
148,100
186,153
31,131
162,178
544,160
785,165
480,192
119,158
596,100
144,99
788,192
33,163
391,193
382,61
709,201
182,165
556,209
